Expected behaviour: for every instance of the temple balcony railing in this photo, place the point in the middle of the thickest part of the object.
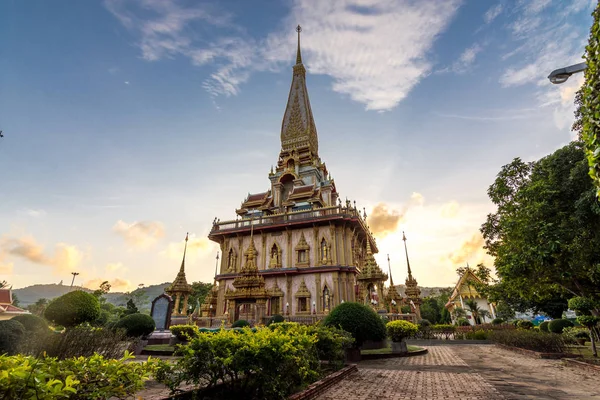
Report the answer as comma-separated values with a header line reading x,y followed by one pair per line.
x,y
316,213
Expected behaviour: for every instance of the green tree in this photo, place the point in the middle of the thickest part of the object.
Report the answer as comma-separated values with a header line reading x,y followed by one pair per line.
x,y
199,292
588,110
38,307
504,311
475,310
15,300
131,308
73,308
545,234
431,310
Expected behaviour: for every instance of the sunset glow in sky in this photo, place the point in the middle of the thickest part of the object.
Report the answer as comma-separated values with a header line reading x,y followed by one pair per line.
x,y
128,123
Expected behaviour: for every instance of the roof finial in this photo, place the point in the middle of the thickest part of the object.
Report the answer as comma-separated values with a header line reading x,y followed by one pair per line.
x,y
390,270
184,250
406,250
298,55
216,266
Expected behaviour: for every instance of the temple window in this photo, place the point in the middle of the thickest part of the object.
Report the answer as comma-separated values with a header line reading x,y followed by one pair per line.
x,y
303,304
275,305
326,299
231,260
324,252
302,256
303,297
275,257
302,249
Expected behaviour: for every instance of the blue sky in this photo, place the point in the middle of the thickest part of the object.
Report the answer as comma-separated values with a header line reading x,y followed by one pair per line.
x,y
129,123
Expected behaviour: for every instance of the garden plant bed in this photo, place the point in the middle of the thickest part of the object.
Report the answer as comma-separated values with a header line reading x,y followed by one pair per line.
x,y
222,392
386,352
537,354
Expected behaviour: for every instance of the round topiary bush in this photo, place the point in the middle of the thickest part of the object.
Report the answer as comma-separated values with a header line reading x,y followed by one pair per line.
x,y
524,324
359,320
11,334
462,322
557,325
240,323
275,319
497,321
32,323
136,325
73,308
400,330
544,326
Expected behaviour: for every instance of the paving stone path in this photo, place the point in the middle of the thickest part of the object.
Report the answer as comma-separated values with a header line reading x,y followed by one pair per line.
x,y
470,372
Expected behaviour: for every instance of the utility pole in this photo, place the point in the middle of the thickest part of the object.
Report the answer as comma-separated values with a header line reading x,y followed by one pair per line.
x,y
74,275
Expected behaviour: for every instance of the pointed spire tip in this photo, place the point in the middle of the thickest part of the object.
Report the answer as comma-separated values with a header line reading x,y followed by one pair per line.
x,y
298,54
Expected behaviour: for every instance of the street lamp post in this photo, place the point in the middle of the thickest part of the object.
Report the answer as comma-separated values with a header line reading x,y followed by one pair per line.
x,y
74,275
561,75
210,315
287,310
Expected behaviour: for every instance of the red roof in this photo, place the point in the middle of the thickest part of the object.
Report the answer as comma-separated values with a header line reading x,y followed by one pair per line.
x,y
5,296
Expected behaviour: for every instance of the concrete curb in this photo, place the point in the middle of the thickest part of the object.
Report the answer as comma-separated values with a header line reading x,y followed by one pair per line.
x,y
537,354
582,365
317,388
392,355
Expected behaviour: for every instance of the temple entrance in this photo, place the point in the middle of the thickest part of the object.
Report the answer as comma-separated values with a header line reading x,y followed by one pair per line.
x,y
246,310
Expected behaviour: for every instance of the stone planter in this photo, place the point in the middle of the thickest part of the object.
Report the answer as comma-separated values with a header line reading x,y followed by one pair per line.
x,y
140,346
352,355
399,347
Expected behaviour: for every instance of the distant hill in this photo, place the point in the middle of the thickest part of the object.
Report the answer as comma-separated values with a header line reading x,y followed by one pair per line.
x,y
425,291
30,294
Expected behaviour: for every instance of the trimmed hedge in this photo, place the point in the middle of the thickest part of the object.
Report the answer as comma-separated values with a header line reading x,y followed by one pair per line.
x,y
544,326
497,321
11,335
73,308
32,323
557,325
240,323
357,319
400,330
529,339
275,319
525,324
462,322
136,325
185,332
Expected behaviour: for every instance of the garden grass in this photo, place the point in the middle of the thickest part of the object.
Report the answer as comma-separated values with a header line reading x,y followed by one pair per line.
x,y
159,347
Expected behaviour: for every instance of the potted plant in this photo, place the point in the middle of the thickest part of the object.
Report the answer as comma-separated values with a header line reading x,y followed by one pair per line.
x,y
398,331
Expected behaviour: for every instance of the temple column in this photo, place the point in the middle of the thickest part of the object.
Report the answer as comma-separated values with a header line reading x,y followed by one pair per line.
x,y
185,304
343,252
264,251
240,252
224,257
289,251
176,306
319,292
289,296
336,287
333,234
316,247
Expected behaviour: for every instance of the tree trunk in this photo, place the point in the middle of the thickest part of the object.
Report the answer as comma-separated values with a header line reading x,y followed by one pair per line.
x,y
593,339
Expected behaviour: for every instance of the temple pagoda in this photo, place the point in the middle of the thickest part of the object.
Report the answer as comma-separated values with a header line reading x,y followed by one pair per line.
x,y
295,248
180,292
412,291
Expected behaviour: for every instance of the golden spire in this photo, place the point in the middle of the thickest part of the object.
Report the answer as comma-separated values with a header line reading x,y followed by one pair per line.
x,y
182,269
298,130
390,271
298,54
407,261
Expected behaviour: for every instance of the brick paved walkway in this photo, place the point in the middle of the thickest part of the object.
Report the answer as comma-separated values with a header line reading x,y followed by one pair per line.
x,y
465,372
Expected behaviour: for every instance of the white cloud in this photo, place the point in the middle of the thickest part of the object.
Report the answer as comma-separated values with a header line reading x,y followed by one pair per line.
x,y
141,234
126,82
375,51
465,61
546,41
196,247
492,13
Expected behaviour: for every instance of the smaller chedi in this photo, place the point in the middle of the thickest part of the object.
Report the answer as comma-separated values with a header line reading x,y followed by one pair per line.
x,y
180,292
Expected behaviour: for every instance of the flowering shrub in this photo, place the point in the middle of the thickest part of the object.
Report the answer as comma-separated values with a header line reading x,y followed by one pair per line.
x,y
400,330
266,364
25,377
185,332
